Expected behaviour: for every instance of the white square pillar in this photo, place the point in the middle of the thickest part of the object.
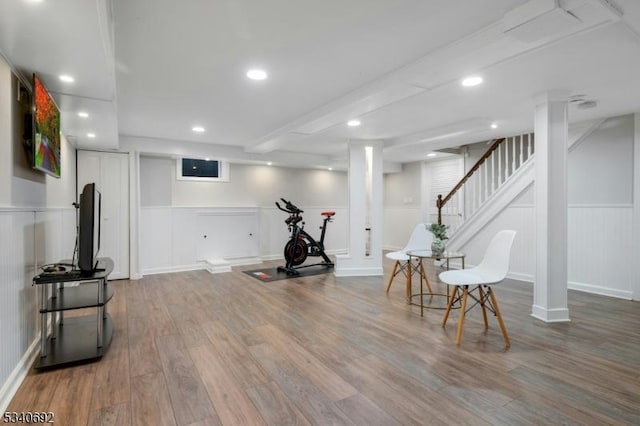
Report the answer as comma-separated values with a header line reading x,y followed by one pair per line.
x,y
365,211
551,150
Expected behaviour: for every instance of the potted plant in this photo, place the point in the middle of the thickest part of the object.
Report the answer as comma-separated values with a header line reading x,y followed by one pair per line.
x,y
439,232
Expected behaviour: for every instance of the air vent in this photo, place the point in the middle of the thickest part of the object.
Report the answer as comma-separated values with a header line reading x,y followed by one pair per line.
x,y
587,104
538,19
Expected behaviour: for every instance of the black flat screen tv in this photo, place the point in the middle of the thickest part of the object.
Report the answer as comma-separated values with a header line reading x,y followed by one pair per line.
x,y
89,229
46,130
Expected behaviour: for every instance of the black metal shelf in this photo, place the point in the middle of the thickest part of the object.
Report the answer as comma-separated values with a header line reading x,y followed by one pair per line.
x,y
82,296
77,338
76,342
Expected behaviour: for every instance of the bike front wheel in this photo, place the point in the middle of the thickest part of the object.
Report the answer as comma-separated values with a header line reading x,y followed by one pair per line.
x,y
295,252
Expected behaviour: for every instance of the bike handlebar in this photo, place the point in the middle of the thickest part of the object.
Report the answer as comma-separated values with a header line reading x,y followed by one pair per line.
x,y
289,207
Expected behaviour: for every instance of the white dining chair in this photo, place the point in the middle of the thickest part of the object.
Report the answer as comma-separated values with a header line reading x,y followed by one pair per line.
x,y
420,239
491,271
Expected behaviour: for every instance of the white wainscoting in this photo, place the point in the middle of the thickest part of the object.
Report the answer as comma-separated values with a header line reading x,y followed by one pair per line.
x,y
600,255
172,237
600,249
520,219
30,238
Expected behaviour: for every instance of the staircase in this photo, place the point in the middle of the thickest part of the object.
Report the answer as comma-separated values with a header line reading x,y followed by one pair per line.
x,y
494,181
497,179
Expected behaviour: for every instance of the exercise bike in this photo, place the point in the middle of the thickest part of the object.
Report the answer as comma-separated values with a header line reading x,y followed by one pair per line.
x,y
301,244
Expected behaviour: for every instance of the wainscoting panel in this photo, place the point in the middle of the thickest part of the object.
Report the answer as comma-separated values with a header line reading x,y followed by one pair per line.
x,y
184,237
29,239
227,235
16,252
600,249
156,238
521,220
599,246
172,238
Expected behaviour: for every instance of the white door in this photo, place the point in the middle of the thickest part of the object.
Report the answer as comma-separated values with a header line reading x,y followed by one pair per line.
x,y
110,172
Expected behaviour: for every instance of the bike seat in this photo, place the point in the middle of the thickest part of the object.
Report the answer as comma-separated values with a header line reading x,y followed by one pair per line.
x,y
328,214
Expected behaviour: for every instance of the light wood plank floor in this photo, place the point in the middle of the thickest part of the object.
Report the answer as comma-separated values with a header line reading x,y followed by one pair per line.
x,y
200,349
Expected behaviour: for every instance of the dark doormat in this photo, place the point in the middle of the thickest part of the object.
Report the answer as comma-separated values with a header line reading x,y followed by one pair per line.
x,y
268,275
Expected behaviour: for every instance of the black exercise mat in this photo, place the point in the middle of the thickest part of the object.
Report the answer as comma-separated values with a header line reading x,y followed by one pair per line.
x,y
267,275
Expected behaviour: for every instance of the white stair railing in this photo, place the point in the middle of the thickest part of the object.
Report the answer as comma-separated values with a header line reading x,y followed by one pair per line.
x,y
504,157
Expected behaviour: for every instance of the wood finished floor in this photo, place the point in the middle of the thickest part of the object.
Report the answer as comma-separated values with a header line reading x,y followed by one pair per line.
x,y
200,349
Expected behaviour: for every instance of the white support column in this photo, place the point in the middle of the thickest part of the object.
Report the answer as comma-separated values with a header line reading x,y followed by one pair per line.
x,y
134,216
365,210
551,130
635,273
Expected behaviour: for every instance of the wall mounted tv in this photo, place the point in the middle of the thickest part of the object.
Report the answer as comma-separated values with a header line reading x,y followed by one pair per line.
x,y
46,130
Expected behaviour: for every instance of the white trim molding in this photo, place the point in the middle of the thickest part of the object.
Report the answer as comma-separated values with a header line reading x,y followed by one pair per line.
x,y
550,315
603,291
15,379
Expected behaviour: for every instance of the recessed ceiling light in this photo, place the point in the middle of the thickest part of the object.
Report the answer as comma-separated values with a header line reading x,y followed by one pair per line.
x,y
494,126
207,159
472,81
353,123
330,168
269,163
83,114
431,154
257,74
67,78
198,129
91,135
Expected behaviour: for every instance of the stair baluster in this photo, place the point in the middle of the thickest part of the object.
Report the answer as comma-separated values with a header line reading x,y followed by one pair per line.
x,y
501,161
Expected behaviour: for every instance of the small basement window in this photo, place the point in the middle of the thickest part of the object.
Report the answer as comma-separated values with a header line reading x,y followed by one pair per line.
x,y
202,170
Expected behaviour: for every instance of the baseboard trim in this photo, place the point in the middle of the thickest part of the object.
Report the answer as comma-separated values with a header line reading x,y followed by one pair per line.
x,y
173,269
358,272
214,266
347,267
15,379
550,315
241,261
519,276
602,291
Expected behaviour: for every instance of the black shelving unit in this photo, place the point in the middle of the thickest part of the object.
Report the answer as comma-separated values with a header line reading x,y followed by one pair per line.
x,y
75,339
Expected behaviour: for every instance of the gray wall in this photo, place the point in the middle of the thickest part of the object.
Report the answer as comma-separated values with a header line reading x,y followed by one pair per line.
x,y
249,185
601,167
403,189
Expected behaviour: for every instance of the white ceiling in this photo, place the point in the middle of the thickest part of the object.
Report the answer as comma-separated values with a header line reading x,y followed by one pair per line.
x,y
149,70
